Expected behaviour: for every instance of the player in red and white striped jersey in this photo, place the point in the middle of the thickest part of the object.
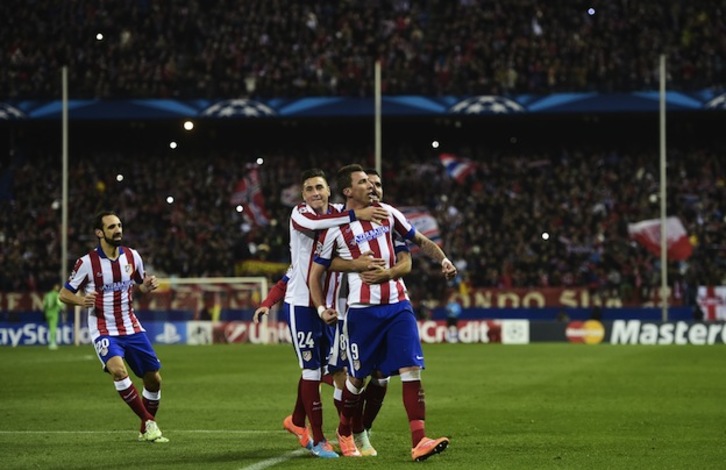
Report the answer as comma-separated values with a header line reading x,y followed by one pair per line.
x,y
312,338
376,388
103,282
381,325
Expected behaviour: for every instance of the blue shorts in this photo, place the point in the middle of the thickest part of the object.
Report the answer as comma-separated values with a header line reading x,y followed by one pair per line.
x,y
382,337
338,355
312,338
135,349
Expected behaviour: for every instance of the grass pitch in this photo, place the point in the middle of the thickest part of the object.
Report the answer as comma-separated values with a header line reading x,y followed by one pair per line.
x,y
537,406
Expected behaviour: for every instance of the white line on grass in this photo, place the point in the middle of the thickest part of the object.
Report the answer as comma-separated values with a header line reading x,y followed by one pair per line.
x,y
176,431
275,460
257,466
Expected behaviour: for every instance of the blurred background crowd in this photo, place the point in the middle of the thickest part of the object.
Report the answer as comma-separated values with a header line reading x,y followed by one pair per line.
x,y
582,194
272,48
491,225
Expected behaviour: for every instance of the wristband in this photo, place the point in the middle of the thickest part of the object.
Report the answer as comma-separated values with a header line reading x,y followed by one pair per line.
x,y
445,260
321,309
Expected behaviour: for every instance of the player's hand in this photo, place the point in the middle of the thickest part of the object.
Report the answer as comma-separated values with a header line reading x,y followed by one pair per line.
x,y
378,275
373,213
448,268
89,300
366,261
329,316
150,283
259,312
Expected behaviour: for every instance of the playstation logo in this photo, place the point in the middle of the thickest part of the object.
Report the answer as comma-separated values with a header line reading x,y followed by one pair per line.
x,y
170,335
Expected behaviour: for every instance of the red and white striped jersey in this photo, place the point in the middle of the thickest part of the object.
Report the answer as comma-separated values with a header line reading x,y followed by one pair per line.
x,y
349,241
114,281
304,225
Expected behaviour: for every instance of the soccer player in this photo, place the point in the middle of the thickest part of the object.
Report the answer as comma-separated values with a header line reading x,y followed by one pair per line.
x,y
103,282
375,391
377,386
381,324
51,310
311,337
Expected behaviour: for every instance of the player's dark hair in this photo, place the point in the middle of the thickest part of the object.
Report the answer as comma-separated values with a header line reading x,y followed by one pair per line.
x,y
373,171
312,173
343,178
98,219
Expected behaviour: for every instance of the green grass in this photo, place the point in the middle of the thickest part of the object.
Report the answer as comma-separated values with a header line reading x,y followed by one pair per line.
x,y
505,407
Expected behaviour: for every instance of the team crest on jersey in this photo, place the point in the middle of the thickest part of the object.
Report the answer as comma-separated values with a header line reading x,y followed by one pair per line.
x,y
128,269
318,248
356,364
307,355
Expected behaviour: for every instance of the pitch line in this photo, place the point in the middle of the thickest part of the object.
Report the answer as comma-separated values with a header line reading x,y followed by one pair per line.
x,y
276,460
174,431
256,466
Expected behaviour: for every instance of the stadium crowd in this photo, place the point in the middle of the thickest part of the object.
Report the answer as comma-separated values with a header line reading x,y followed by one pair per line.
x,y
271,49
491,224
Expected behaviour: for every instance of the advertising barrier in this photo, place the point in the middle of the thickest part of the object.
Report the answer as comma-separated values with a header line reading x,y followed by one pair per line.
x,y
501,331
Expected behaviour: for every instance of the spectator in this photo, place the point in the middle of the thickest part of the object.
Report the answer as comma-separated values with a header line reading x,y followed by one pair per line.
x,y
497,238
193,50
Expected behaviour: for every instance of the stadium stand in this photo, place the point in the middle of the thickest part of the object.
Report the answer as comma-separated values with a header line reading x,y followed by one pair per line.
x,y
180,49
268,49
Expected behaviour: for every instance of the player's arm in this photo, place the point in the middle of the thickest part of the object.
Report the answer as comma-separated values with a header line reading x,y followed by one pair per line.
x,y
433,251
68,297
72,291
321,262
304,219
274,296
404,228
150,283
364,262
403,266
315,284
144,281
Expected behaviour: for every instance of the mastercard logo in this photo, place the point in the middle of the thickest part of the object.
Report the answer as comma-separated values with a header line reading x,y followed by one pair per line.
x,y
588,332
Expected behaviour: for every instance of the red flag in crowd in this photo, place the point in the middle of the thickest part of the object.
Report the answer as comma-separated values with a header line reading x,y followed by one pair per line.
x,y
290,196
456,167
423,222
712,300
647,233
248,194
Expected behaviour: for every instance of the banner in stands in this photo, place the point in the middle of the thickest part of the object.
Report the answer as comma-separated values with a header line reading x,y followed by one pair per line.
x,y
712,301
399,105
552,297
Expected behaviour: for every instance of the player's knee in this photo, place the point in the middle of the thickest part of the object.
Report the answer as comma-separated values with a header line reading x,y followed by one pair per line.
x,y
339,379
354,385
152,381
380,381
410,375
116,367
118,373
312,374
